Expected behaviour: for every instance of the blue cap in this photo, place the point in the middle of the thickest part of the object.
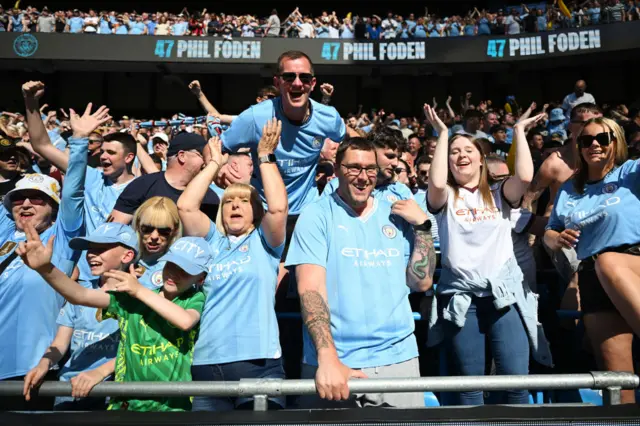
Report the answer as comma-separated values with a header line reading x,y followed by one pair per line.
x,y
108,233
557,114
192,254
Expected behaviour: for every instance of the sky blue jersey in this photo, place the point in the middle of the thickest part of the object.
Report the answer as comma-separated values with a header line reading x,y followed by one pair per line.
x,y
152,276
606,214
299,148
30,306
365,260
239,319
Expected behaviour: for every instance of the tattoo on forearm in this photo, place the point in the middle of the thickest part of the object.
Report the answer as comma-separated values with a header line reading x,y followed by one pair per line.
x,y
315,315
423,258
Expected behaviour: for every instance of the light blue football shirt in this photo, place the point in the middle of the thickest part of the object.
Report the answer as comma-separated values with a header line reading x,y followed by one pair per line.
x,y
365,260
299,148
606,214
152,276
30,306
239,319
93,343
100,194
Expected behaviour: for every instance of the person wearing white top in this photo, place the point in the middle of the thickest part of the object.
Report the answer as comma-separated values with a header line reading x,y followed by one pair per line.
x,y
579,96
480,292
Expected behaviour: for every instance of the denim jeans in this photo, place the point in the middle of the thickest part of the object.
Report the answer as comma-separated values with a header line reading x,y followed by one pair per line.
x,y
232,372
466,346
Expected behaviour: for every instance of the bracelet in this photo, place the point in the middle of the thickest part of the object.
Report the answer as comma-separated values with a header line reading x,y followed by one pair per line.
x,y
426,226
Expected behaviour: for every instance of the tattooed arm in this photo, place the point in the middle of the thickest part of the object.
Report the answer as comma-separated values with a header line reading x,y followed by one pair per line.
x,y
332,376
422,263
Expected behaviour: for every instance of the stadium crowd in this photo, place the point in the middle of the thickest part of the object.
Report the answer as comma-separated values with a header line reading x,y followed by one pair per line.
x,y
531,18
153,252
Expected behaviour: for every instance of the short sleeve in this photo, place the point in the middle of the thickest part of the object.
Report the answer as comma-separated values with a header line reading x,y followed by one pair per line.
x,y
67,316
521,220
409,236
274,251
196,302
114,310
555,222
213,233
339,129
132,196
405,193
241,133
309,243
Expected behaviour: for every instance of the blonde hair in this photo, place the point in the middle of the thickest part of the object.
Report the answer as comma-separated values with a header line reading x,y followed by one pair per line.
x,y
160,212
241,190
483,185
618,155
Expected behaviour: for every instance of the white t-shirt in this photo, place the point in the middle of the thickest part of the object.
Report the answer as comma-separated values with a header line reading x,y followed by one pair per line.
x,y
571,100
521,221
334,32
475,239
91,24
306,30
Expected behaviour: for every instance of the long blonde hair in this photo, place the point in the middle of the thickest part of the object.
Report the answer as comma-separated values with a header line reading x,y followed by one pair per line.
x,y
483,184
241,190
618,155
160,212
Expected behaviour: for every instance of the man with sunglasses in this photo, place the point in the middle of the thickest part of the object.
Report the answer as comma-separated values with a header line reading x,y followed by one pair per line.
x,y
423,165
10,172
29,306
185,158
356,259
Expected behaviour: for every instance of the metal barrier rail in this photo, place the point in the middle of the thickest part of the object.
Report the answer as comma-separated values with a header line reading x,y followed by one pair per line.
x,y
611,383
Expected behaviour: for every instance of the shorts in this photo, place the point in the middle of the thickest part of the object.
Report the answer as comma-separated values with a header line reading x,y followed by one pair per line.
x,y
593,298
565,261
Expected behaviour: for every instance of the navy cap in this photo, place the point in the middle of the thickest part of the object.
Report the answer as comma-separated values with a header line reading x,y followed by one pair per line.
x,y
185,141
191,254
108,233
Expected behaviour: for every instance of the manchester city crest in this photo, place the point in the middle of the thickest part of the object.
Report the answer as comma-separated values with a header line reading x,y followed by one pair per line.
x,y
156,278
389,231
317,142
25,45
244,248
609,188
392,198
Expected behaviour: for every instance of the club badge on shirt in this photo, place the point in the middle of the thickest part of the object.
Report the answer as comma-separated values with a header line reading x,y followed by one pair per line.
x,y
7,248
609,188
392,198
317,142
156,278
389,231
243,248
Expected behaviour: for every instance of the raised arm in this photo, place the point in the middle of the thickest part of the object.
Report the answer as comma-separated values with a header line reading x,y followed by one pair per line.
x,y
332,375
32,91
195,222
38,257
437,193
450,110
144,158
196,89
515,186
274,223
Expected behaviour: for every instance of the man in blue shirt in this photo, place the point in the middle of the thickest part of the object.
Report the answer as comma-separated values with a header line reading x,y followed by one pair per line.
x,y
387,143
75,23
356,259
137,27
305,125
180,27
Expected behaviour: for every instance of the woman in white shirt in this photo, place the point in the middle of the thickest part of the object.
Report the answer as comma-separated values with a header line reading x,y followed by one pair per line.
x,y
481,291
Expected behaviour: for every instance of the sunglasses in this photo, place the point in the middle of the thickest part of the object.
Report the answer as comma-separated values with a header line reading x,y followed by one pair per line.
x,y
603,139
399,170
290,77
19,199
148,229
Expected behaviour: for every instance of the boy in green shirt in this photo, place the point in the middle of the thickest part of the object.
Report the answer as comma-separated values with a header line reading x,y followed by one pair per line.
x,y
158,328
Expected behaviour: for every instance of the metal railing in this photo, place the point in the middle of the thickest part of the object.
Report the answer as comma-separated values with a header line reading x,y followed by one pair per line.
x,y
611,383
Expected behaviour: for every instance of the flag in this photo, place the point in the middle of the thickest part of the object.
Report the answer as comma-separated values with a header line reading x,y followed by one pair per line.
x,y
564,9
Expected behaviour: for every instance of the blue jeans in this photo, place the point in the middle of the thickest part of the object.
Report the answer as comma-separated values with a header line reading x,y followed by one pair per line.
x,y
232,372
509,346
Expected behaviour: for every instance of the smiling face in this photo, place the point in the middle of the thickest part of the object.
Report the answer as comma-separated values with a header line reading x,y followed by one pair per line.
x,y
465,161
357,177
596,153
387,160
295,82
34,207
113,159
105,257
9,163
177,280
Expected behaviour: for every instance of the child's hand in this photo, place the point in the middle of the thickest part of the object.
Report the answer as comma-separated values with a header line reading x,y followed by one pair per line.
x,y
126,282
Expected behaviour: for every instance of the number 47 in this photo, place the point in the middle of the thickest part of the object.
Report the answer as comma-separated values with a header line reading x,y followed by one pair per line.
x,y
495,48
330,51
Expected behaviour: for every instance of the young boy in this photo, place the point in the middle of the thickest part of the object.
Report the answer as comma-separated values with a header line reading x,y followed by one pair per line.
x,y
158,328
93,343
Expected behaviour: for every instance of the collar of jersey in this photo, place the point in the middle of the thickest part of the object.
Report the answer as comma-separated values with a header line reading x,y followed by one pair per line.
x,y
353,213
304,122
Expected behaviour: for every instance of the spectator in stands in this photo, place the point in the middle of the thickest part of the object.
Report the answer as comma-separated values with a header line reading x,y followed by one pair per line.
x,y
332,276
10,172
75,24
46,22
93,343
163,27
137,27
477,250
423,165
90,24
595,214
273,25
472,122
240,337
157,225
185,159
615,12
403,173
28,323
579,96
180,27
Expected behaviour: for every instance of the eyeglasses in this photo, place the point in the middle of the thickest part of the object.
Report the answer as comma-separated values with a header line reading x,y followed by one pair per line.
x,y
399,170
271,96
148,229
19,199
423,172
290,77
355,170
603,139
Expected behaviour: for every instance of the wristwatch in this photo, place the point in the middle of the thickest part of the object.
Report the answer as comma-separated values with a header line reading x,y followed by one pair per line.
x,y
426,226
269,158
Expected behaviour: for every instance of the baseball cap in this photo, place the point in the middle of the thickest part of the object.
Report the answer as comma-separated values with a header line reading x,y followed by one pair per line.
x,y
38,182
108,233
162,136
191,254
7,143
185,141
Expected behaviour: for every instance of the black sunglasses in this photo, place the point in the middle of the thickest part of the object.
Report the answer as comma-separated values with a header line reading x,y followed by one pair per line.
x,y
399,170
148,229
603,139
290,77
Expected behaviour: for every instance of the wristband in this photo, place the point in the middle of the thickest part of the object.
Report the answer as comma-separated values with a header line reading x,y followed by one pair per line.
x,y
426,226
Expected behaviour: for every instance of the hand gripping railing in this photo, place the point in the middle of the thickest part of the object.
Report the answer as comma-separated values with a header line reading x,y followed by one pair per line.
x,y
611,383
